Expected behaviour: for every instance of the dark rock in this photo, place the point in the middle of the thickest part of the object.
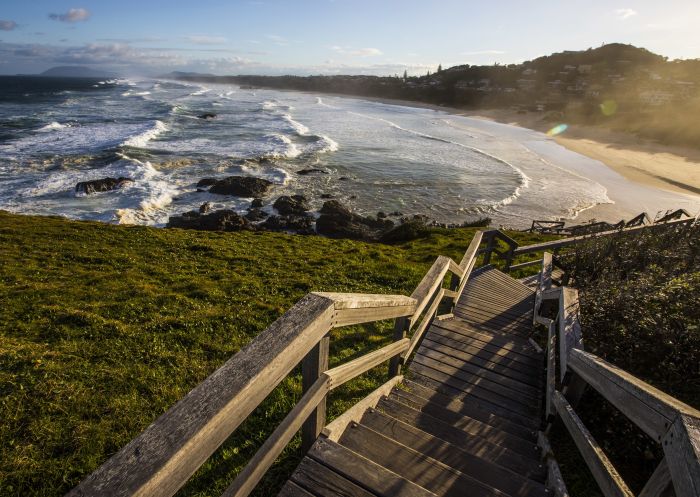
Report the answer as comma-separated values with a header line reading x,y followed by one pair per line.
x,y
206,182
294,205
101,185
343,178
337,221
415,228
381,215
207,115
221,220
326,195
204,208
256,203
304,172
303,225
396,214
241,186
255,215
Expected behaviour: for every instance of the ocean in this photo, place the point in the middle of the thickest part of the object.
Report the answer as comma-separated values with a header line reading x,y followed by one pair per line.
x,y
371,156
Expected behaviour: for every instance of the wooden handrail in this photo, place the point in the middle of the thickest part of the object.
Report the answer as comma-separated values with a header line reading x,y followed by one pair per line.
x,y
672,423
164,456
554,244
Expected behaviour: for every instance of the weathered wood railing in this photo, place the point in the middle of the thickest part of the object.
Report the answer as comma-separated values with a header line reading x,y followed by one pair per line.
x,y
673,424
165,455
513,249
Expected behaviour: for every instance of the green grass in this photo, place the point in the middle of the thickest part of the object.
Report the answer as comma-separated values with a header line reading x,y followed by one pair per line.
x,y
103,328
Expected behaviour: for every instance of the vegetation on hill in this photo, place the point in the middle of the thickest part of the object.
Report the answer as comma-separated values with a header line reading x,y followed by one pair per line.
x,y
640,311
618,86
103,328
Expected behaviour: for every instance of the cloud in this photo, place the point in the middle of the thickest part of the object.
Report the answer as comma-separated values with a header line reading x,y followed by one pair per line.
x,y
625,13
73,15
206,40
7,25
361,52
279,40
485,52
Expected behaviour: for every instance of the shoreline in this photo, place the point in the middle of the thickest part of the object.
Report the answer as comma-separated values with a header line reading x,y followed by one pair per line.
x,y
639,166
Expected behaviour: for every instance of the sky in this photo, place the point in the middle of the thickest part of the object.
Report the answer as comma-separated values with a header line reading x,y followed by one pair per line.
x,y
383,37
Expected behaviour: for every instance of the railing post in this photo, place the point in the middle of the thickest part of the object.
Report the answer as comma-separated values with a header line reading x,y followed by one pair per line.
x,y
400,331
315,363
490,242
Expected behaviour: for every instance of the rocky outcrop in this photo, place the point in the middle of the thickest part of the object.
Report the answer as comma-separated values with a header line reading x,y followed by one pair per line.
x,y
255,215
240,186
207,115
337,221
101,185
292,205
312,170
303,225
221,220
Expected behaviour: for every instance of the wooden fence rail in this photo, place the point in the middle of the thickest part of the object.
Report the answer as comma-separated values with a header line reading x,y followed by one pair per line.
x,y
165,455
673,424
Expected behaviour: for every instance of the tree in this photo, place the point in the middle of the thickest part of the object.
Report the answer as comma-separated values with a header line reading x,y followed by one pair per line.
x,y
439,68
405,74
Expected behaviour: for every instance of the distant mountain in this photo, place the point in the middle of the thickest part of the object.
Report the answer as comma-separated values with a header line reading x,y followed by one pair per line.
x,y
185,75
77,72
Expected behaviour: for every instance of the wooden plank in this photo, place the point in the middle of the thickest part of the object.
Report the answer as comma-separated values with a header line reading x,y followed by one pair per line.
x,y
523,459
429,285
356,367
551,245
401,326
477,341
474,386
347,317
419,468
324,482
466,399
485,378
290,489
335,428
570,336
256,468
314,364
605,474
427,319
163,457
659,484
422,395
473,330
471,251
364,472
525,264
648,407
551,369
555,481
480,469
545,282
682,449
500,365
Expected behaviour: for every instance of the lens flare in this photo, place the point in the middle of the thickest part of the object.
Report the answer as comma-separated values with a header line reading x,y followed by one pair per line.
x,y
608,108
557,130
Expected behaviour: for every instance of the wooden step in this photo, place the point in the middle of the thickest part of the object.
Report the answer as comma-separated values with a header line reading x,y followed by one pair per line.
x,y
497,364
458,380
419,468
461,396
400,408
494,339
469,407
498,382
322,481
480,468
291,489
363,472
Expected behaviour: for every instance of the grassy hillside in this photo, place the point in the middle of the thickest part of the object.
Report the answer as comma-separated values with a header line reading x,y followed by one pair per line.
x,y
103,328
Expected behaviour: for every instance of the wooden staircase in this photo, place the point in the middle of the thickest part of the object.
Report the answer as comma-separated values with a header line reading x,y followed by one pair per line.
x,y
469,417
464,421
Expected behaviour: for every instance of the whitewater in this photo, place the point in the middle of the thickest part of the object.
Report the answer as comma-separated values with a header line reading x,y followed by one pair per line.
x,y
371,156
